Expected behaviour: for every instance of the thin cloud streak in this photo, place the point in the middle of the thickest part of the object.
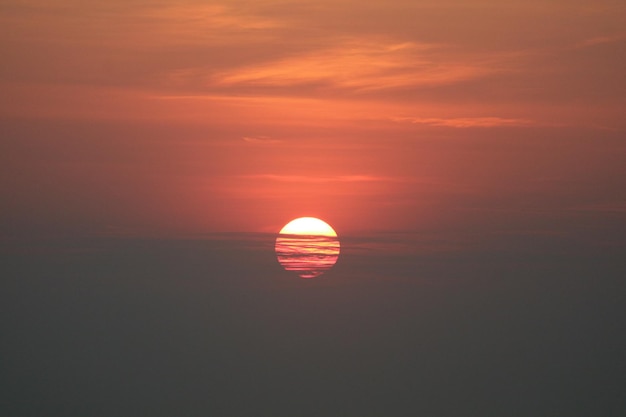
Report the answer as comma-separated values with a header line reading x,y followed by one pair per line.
x,y
143,24
601,40
326,179
261,140
466,122
360,64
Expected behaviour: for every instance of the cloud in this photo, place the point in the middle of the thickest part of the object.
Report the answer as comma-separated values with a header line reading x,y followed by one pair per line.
x,y
128,25
601,40
358,64
217,23
261,140
324,179
465,122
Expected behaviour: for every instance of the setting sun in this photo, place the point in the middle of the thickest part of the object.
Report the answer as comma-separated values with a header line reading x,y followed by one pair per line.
x,y
307,246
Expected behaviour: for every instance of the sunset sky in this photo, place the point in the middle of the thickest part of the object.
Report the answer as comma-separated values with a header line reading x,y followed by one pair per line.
x,y
438,138
170,118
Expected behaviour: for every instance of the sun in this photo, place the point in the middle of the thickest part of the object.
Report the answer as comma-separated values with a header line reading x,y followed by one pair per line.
x,y
308,226
307,246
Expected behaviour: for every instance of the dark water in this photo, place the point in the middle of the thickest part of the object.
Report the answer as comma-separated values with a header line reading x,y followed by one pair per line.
x,y
215,327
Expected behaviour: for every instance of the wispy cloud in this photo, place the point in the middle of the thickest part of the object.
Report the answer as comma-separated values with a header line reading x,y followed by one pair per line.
x,y
465,122
261,140
131,24
218,15
197,24
601,40
324,179
364,64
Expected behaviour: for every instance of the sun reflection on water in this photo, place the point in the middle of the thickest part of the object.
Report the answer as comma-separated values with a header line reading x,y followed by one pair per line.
x,y
307,255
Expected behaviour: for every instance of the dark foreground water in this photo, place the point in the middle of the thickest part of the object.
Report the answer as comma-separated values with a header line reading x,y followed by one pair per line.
x,y
216,327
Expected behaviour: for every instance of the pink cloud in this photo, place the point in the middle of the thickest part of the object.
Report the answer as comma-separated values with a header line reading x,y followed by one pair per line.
x,y
465,122
359,64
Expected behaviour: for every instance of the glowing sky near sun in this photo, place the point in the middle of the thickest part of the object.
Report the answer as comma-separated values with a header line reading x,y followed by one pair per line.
x,y
442,117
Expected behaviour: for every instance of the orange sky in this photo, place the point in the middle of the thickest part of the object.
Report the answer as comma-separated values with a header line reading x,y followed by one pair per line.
x,y
159,118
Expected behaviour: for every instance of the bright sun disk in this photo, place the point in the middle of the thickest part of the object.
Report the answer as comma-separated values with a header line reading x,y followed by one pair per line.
x,y
308,226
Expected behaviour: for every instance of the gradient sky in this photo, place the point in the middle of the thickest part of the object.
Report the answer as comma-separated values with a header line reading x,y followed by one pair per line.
x,y
166,118
469,154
